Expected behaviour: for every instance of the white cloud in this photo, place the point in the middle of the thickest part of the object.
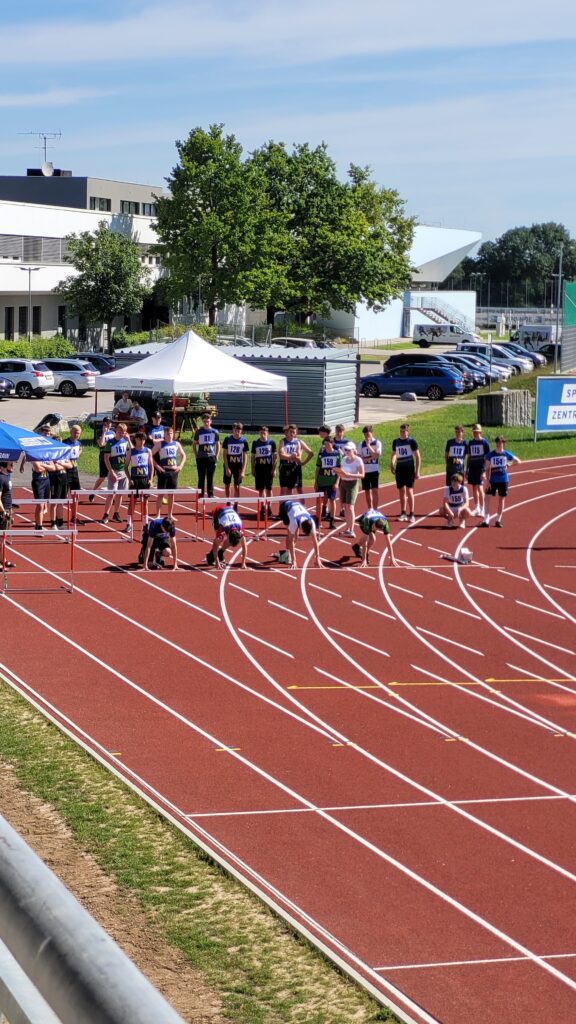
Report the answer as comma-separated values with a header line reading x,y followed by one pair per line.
x,y
271,31
53,97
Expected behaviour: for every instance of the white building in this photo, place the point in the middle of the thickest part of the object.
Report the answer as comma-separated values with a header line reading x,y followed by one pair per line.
x,y
38,210
36,213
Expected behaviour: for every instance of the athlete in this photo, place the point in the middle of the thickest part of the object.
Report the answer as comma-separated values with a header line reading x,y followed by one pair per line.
x,y
117,482
155,429
456,504
455,453
235,450
158,538
291,454
104,438
169,458
369,522
326,479
370,450
73,479
140,468
6,513
497,478
58,477
296,518
229,533
263,460
405,464
478,451
206,447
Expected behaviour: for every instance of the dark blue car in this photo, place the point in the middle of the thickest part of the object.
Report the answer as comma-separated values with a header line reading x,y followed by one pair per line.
x,y
6,387
434,381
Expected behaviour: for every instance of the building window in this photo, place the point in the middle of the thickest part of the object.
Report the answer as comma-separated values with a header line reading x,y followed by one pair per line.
x,y
36,321
23,321
98,203
149,209
9,323
127,206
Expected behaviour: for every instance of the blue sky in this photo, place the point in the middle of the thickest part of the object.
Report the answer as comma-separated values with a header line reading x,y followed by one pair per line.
x,y
466,110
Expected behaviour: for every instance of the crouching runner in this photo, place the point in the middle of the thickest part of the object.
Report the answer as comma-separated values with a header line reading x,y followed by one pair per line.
x,y
369,522
296,517
229,533
158,538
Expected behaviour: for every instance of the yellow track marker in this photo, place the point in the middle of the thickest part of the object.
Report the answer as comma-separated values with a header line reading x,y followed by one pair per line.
x,y
224,750
115,753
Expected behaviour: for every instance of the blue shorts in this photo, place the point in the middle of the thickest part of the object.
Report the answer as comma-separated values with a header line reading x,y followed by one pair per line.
x,y
41,487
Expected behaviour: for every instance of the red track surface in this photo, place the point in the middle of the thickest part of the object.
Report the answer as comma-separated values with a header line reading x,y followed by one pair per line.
x,y
385,756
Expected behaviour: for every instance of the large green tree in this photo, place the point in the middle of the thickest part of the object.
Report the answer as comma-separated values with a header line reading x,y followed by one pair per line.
x,y
279,230
110,281
211,226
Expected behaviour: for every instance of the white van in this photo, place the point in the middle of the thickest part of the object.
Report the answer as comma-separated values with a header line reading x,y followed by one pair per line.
x,y
533,336
425,335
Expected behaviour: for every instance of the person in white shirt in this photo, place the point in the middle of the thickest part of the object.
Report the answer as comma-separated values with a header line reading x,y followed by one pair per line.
x,y
123,407
370,450
456,504
350,473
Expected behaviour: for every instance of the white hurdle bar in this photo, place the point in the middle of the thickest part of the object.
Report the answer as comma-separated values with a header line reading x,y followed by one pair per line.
x,y
16,533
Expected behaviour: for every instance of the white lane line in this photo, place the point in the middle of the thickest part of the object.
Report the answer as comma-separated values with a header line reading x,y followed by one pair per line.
x,y
283,572
559,590
394,586
447,640
368,608
436,572
272,647
540,610
236,586
439,551
491,593
408,540
290,610
414,716
530,636
473,963
515,575
565,566
355,640
325,590
364,575
454,608
557,683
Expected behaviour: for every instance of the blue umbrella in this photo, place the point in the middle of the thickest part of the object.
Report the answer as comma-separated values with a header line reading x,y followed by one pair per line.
x,y
16,440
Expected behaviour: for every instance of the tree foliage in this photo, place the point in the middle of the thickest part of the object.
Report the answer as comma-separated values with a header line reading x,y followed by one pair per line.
x,y
520,264
279,230
110,282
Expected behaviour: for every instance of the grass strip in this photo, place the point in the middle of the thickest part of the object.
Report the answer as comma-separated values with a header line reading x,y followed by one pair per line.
x,y
262,971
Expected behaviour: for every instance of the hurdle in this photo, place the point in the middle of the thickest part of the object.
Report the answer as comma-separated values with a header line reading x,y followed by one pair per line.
x,y
138,499
262,520
17,533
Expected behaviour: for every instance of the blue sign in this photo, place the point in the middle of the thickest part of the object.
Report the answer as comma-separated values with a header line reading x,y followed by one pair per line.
x,y
555,404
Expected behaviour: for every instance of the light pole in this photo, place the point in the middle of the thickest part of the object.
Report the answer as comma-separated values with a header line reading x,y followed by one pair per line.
x,y
30,271
558,301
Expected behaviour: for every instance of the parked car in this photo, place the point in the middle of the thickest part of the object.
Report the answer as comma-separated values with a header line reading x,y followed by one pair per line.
x,y
410,358
30,376
549,349
433,381
72,376
103,363
461,363
6,387
494,371
495,352
536,358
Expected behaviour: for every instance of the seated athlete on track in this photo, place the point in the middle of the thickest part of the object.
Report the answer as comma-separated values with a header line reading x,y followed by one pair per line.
x,y
456,505
369,522
296,518
229,533
158,538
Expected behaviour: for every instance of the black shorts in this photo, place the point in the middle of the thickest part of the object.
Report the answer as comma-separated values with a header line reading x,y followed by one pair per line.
x,y
58,486
263,477
168,480
41,487
500,488
137,484
370,481
405,476
73,479
102,467
475,473
290,474
234,474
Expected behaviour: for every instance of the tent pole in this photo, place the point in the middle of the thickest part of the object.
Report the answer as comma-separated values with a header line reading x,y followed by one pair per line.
x,y
286,407
174,414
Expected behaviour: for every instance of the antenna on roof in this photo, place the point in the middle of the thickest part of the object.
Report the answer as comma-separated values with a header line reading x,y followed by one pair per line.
x,y
44,136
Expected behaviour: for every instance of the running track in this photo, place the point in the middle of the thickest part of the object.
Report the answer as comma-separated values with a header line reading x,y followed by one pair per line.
x,y
385,756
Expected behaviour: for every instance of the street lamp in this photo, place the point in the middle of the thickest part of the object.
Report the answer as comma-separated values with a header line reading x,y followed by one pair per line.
x,y
30,271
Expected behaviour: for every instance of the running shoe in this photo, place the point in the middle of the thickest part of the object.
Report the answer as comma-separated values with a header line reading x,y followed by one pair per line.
x,y
127,529
210,560
331,524
485,523
402,517
356,550
348,533
105,518
90,498
411,518
221,558
462,524
498,523
116,518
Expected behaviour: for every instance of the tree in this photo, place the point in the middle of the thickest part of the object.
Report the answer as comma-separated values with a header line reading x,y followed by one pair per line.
x,y
211,226
110,282
279,230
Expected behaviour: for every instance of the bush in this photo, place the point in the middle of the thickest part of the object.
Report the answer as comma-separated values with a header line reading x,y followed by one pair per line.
x,y
122,339
37,348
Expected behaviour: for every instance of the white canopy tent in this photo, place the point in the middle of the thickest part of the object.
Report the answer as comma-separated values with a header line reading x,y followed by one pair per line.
x,y
190,364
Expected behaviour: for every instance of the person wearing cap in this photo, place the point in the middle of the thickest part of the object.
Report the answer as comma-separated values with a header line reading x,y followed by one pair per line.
x,y
456,504
296,519
497,478
291,460
103,440
155,429
405,464
478,451
370,450
350,472
369,522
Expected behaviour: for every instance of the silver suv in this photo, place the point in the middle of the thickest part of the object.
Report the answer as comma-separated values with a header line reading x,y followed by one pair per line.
x,y
72,376
29,376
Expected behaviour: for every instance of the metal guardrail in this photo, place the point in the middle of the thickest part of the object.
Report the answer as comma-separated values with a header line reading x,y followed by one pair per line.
x,y
57,965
